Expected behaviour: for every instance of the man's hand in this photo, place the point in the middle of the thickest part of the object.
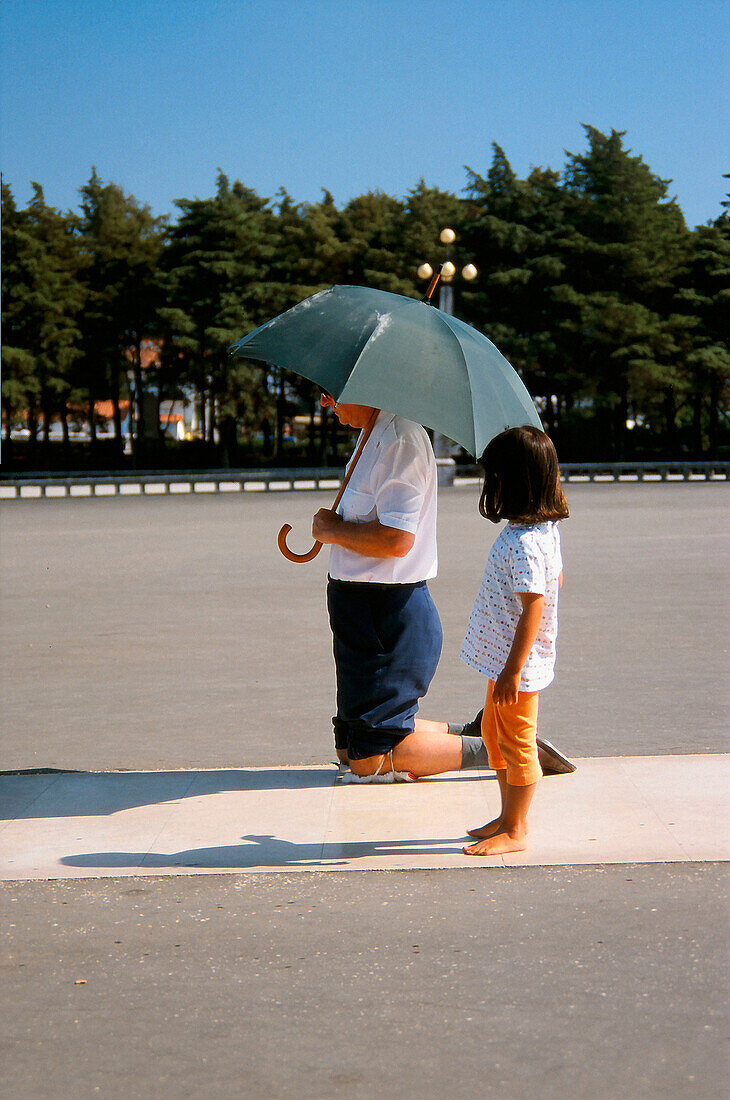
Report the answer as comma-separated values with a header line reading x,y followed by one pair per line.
x,y
325,524
506,688
372,539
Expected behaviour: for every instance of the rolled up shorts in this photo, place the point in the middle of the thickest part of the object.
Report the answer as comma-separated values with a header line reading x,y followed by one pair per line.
x,y
510,734
386,643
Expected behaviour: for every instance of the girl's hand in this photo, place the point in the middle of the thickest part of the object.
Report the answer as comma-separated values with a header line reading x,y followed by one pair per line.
x,y
507,685
506,688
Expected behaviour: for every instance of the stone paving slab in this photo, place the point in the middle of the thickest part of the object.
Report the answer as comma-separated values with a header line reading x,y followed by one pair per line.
x,y
111,824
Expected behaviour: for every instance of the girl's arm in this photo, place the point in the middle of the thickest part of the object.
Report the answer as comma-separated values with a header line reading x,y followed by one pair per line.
x,y
508,682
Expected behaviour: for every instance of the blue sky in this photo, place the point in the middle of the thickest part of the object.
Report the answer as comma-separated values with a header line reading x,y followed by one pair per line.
x,y
354,95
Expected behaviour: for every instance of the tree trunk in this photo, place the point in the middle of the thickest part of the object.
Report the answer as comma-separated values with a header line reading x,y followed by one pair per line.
x,y
117,414
323,418
46,437
139,394
551,415
228,435
46,423
670,422
266,429
201,414
714,425
622,415
211,418
311,433
92,424
8,452
280,418
66,439
697,421
33,429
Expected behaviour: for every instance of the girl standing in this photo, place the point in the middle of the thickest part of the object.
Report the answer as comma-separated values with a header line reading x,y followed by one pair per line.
x,y
513,625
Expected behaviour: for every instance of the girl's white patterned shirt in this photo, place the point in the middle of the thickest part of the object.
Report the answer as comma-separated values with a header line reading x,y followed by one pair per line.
x,y
522,559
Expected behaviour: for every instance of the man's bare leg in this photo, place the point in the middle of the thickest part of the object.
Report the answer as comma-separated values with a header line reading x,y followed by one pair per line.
x,y
422,753
422,725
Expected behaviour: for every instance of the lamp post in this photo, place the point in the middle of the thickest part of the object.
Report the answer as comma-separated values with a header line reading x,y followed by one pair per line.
x,y
443,447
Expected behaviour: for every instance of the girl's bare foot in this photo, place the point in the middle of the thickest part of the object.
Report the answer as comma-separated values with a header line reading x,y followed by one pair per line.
x,y
498,844
489,829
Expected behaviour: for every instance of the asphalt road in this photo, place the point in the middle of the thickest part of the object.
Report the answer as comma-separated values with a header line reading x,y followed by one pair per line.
x,y
557,983
169,632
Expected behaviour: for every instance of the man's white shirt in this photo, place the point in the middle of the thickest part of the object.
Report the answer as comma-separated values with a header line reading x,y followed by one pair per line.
x,y
395,481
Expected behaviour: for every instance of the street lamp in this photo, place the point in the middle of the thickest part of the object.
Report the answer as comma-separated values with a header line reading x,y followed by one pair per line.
x,y
442,445
448,271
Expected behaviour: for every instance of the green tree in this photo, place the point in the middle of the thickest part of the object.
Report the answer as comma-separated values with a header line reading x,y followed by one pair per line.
x,y
372,229
704,293
624,249
514,228
216,266
311,255
42,300
121,242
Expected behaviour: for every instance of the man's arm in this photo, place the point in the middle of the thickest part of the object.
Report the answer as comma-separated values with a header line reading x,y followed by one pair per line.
x,y
372,539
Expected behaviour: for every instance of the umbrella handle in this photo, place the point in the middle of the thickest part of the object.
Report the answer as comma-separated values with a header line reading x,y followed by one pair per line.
x,y
286,528
432,286
281,540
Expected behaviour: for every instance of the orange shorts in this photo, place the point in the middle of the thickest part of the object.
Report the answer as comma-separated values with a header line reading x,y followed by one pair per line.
x,y
510,734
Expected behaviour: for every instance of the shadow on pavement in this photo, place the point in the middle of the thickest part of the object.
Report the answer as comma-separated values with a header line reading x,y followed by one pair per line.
x,y
44,793
90,794
264,850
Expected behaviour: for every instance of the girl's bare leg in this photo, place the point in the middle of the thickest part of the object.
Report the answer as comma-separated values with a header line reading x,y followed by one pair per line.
x,y
512,833
494,826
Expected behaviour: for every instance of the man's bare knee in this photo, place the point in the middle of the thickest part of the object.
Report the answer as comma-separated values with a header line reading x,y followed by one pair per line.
x,y
369,765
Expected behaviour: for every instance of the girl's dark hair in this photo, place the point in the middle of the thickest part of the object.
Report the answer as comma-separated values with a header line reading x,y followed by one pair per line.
x,y
522,478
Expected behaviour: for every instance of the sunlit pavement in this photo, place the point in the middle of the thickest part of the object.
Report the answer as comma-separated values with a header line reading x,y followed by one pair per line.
x,y
620,810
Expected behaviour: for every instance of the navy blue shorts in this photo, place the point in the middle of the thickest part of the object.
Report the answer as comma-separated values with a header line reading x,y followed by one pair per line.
x,y
387,643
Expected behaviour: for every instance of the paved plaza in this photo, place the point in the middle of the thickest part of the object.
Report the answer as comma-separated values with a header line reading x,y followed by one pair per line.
x,y
194,903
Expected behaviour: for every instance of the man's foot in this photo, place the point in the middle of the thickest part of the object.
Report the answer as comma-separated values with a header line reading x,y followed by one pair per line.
x,y
552,760
471,729
498,845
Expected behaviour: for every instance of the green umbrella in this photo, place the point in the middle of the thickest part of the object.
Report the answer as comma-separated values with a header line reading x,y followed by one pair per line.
x,y
370,347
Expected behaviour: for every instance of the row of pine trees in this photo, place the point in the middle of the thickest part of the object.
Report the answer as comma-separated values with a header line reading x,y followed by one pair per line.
x,y
613,311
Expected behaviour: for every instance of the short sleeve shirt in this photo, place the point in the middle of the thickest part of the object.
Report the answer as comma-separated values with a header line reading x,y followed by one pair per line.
x,y
522,559
395,481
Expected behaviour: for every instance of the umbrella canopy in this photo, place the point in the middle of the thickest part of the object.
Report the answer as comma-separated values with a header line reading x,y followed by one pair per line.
x,y
370,347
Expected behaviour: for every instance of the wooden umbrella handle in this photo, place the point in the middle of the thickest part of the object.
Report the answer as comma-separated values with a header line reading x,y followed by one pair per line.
x,y
432,286
286,528
281,539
